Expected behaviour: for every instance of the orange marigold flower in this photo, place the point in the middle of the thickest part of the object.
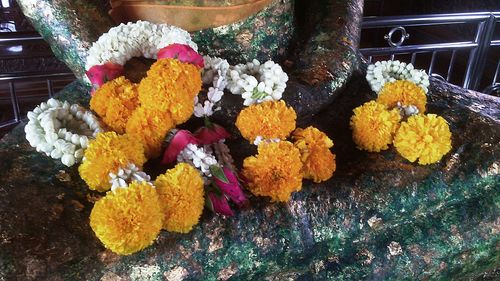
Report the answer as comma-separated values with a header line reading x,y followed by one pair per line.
x,y
114,102
105,155
314,146
128,219
149,127
276,171
402,91
423,137
181,197
270,120
373,126
171,86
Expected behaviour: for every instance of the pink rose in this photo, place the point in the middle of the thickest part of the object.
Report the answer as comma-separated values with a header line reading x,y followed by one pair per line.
x,y
100,74
178,142
231,187
183,53
211,134
218,204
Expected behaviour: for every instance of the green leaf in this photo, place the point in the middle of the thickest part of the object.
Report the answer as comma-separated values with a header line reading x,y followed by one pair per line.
x,y
218,173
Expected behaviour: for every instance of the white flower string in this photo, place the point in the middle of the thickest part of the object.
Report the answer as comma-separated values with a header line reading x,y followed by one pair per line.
x,y
125,176
53,126
200,157
215,72
259,139
389,71
407,110
257,82
142,38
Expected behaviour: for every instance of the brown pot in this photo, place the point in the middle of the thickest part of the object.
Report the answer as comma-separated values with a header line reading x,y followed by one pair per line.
x,y
206,14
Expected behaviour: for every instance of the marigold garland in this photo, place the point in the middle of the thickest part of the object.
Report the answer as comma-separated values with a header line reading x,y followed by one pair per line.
x,y
270,120
423,137
171,86
114,102
373,126
314,146
128,219
149,127
275,172
105,155
181,196
402,91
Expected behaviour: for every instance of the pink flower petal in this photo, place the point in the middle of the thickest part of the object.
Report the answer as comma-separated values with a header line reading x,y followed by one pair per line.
x,y
183,53
219,204
207,135
232,189
178,142
100,74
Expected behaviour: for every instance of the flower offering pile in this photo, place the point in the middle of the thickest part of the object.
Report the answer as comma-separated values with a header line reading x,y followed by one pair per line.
x,y
132,125
398,115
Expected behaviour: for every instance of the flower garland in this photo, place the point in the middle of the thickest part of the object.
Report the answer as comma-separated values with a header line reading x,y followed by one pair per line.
x,y
142,38
61,130
398,117
382,72
142,118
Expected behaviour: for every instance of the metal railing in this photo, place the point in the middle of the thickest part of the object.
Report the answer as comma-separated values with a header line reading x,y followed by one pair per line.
x,y
477,47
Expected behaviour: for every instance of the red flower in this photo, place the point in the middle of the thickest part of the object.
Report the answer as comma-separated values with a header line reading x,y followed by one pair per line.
x,y
211,134
178,142
230,186
100,74
218,204
183,53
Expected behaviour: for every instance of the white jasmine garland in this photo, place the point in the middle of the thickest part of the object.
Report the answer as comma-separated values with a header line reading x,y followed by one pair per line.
x,y
389,71
257,82
200,157
214,72
407,110
52,128
142,38
125,176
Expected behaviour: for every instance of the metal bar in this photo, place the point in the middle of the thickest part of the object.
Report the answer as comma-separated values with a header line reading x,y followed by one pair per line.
x,y
450,66
419,48
477,57
413,57
370,58
50,88
496,73
8,123
495,43
392,57
11,77
433,61
20,39
420,20
14,101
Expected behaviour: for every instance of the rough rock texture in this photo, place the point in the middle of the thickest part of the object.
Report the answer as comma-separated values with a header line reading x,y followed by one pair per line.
x,y
379,218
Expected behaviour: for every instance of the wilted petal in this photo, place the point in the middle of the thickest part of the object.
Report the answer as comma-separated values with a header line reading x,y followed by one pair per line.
x,y
231,188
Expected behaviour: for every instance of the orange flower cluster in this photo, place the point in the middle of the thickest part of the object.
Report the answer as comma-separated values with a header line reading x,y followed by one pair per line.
x,y
148,111
314,146
114,102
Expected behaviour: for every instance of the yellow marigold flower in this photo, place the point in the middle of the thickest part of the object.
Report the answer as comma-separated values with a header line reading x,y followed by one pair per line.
x,y
149,127
404,92
270,119
423,137
317,159
276,171
106,154
114,102
128,219
171,86
373,126
181,197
